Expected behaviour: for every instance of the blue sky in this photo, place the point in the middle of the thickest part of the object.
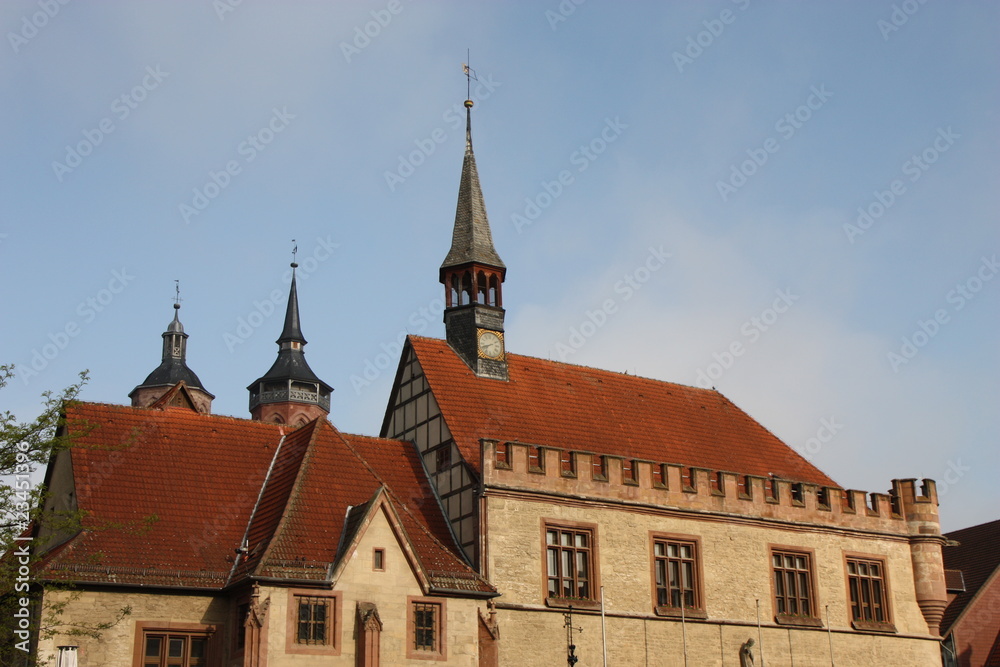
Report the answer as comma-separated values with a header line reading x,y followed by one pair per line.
x,y
793,202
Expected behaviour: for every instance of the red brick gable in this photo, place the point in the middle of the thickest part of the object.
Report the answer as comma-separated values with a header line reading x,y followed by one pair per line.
x,y
560,405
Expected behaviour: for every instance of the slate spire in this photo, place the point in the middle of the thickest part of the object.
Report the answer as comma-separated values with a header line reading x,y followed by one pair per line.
x,y
473,275
290,392
293,329
471,240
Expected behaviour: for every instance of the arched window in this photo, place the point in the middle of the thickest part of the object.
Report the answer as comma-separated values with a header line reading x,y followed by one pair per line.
x,y
276,419
466,288
494,294
453,291
481,288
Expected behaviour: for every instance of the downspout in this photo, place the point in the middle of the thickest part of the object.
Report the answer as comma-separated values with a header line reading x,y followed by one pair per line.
x,y
760,637
829,634
684,637
604,630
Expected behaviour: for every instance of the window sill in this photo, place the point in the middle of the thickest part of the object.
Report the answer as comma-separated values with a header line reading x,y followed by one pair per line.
x,y
873,626
675,612
566,603
805,621
415,654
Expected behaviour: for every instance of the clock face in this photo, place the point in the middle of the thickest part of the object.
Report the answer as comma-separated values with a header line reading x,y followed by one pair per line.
x,y
490,345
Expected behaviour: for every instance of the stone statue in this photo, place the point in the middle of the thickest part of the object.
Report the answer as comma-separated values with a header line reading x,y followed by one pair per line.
x,y
746,654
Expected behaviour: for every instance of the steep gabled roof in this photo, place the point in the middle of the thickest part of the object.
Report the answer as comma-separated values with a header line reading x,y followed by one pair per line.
x,y
171,494
335,478
167,493
977,555
578,408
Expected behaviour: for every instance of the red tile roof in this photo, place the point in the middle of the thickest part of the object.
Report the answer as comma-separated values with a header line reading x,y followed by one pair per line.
x,y
560,405
168,495
978,557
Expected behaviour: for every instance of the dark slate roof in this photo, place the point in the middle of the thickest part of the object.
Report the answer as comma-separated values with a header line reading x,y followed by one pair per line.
x,y
560,405
292,330
471,240
172,370
175,326
290,364
978,557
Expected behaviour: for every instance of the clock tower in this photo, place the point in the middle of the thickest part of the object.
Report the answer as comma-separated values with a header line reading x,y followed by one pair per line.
x,y
473,275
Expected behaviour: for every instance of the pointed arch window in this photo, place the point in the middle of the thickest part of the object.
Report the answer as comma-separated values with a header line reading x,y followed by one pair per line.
x,y
466,296
493,296
481,287
453,289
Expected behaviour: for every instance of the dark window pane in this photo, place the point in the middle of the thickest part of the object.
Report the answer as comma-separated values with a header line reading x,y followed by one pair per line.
x,y
153,645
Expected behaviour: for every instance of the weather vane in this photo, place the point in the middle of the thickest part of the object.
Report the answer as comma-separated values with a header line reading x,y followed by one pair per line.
x,y
470,74
177,293
295,251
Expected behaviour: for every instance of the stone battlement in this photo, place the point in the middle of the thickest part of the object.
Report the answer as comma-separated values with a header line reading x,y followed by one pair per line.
x,y
908,508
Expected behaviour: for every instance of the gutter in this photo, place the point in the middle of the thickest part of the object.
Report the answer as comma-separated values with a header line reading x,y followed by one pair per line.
x,y
454,592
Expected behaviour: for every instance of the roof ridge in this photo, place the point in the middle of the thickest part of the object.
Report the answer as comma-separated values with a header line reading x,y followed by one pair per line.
x,y
595,369
203,415
294,490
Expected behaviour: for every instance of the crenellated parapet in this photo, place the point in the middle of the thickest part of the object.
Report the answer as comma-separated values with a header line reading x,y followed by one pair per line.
x,y
908,509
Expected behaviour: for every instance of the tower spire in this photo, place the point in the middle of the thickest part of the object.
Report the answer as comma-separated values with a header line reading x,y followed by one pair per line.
x,y
473,273
471,240
292,330
173,366
290,392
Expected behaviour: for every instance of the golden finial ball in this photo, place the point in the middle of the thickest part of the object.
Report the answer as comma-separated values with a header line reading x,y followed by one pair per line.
x,y
468,104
